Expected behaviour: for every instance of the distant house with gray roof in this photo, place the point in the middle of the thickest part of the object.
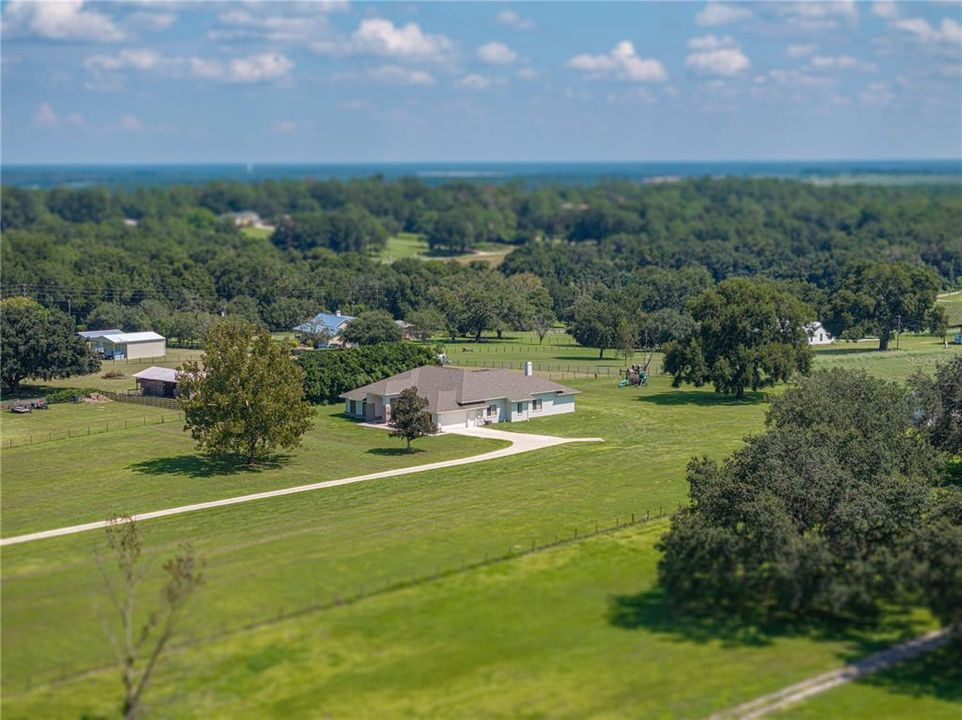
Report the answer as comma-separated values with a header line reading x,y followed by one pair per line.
x,y
459,398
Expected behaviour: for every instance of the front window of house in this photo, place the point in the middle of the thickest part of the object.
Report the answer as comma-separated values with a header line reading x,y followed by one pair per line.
x,y
536,405
353,407
492,410
520,407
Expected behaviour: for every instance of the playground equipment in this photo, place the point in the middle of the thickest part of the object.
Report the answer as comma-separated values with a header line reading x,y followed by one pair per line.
x,y
635,376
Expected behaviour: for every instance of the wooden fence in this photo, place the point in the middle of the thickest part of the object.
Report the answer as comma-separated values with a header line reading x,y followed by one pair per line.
x,y
132,396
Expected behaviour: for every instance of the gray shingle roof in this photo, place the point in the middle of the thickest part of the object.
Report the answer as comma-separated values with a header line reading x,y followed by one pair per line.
x,y
448,388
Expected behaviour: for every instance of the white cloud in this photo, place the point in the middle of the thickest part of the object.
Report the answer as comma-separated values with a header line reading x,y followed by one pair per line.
x,y
716,13
46,116
794,78
877,93
130,123
397,75
798,50
528,73
62,20
377,36
950,31
475,82
284,127
75,119
711,42
622,63
842,62
511,19
885,9
150,20
818,16
242,24
717,56
133,59
264,67
495,53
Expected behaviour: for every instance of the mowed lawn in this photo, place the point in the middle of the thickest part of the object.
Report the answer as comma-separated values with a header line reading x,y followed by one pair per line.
x,y
573,632
952,303
156,466
292,552
67,420
529,637
127,368
929,687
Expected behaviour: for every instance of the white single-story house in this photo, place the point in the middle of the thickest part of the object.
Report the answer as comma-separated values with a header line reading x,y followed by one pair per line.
x,y
324,329
157,381
116,345
818,335
459,398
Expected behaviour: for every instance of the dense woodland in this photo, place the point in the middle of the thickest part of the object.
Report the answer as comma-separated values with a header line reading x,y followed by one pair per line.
x,y
613,249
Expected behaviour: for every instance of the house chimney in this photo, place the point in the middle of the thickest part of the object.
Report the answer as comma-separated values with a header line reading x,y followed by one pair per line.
x,y
528,369
337,313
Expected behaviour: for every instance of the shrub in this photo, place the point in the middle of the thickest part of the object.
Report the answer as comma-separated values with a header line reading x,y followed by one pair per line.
x,y
328,373
63,395
112,375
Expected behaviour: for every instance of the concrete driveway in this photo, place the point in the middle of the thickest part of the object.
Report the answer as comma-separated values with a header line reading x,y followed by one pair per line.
x,y
520,443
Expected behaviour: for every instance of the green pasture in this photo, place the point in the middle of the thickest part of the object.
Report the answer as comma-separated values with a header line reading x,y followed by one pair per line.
x,y
952,303
126,369
574,631
68,420
256,232
154,466
404,245
929,687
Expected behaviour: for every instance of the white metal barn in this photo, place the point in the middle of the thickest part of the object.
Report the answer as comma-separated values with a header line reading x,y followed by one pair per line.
x,y
460,398
129,346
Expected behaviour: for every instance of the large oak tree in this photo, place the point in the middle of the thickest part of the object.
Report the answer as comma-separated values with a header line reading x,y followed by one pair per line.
x,y
245,396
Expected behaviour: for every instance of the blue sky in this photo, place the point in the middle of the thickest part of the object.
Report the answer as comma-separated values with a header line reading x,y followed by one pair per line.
x,y
156,81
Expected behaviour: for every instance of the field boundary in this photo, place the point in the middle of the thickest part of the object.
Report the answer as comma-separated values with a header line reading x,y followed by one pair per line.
x,y
793,694
40,437
518,443
364,592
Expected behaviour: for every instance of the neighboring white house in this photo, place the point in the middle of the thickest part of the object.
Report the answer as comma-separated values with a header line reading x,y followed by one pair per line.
x,y
818,335
117,345
460,398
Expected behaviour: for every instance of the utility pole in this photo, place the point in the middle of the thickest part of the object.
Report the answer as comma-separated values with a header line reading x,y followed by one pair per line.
x,y
898,334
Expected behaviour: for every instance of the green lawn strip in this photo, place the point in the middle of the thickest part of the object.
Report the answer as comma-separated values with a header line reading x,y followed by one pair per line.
x,y
928,687
84,479
917,353
953,307
403,245
65,420
285,553
174,358
531,637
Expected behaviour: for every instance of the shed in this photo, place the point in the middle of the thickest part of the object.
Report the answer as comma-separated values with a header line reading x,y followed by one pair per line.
x,y
157,381
129,346
818,335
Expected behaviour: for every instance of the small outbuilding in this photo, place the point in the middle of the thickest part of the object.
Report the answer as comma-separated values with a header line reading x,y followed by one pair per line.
x,y
116,345
818,335
157,382
459,398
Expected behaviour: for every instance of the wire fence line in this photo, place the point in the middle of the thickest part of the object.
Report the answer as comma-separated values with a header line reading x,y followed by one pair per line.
x,y
364,590
98,428
134,396
573,370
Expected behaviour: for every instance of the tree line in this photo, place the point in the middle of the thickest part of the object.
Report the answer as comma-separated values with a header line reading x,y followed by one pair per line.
x,y
618,262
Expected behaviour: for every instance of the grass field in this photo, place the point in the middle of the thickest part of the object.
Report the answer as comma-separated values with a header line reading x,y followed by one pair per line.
x,y
404,245
532,637
953,307
155,466
67,420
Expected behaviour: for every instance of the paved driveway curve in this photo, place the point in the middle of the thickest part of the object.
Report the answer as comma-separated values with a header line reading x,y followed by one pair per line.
x,y
520,443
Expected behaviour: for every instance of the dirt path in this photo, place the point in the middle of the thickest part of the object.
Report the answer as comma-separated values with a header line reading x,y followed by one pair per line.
x,y
520,443
793,694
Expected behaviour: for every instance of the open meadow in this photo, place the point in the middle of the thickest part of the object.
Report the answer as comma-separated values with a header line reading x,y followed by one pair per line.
x,y
524,635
